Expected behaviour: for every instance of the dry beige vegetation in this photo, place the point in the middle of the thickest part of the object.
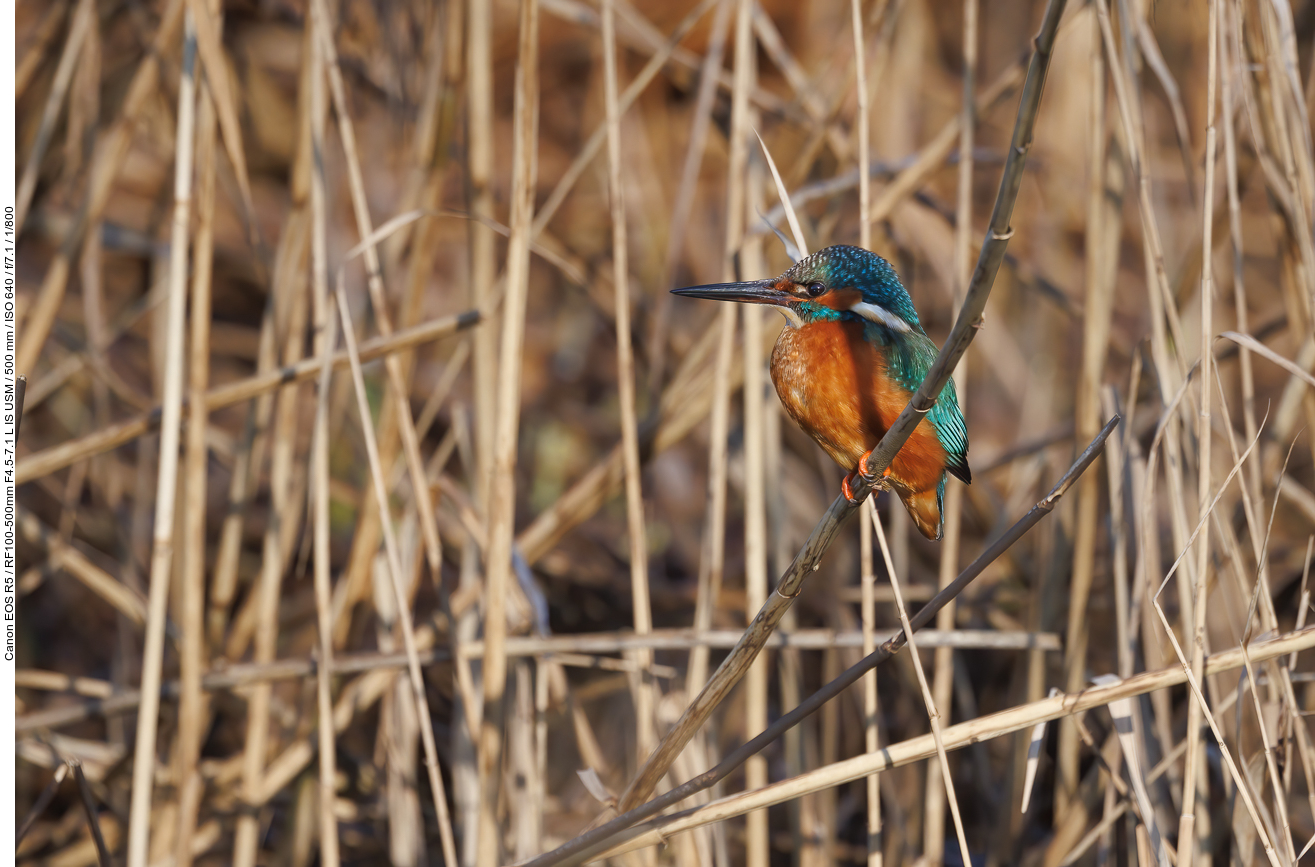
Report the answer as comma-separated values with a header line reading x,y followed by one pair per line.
x,y
185,574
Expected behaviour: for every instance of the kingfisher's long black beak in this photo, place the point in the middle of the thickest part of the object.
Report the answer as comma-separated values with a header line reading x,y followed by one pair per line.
x,y
755,292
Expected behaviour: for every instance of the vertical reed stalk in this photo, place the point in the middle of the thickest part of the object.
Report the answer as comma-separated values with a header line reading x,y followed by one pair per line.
x,y
326,338
1230,56
1195,758
867,578
871,709
483,268
943,660
1098,307
757,843
714,539
502,489
192,705
645,693
175,314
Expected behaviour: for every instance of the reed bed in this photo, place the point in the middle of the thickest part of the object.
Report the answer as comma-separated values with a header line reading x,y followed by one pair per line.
x,y
378,504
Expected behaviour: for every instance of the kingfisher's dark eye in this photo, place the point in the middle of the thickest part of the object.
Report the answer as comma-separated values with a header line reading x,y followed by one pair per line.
x,y
815,289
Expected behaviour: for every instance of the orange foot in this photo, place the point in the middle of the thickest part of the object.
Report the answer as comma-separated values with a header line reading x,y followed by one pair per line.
x,y
846,484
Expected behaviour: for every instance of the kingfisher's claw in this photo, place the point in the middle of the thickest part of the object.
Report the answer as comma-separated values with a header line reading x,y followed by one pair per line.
x,y
848,491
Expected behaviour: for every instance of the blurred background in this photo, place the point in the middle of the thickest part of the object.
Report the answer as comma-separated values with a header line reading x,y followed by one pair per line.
x,y
297,154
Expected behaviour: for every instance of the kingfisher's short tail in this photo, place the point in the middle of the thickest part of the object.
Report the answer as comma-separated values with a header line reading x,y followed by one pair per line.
x,y
925,509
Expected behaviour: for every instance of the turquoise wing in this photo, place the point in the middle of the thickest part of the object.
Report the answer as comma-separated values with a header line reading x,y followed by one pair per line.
x,y
911,356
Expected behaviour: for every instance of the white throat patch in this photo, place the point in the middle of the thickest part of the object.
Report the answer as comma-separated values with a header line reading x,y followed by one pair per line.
x,y
792,318
880,315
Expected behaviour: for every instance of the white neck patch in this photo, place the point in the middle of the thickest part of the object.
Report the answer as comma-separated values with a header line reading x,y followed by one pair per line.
x,y
880,315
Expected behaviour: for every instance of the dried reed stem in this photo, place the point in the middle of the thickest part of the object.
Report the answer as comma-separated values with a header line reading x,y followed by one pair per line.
x,y
483,267
502,490
192,709
713,556
1099,270
952,511
645,690
144,751
867,579
1195,759
756,842
326,338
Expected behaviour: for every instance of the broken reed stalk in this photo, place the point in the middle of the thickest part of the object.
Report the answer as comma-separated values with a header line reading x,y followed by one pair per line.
x,y
326,339
809,558
144,751
47,461
588,845
502,488
41,803
645,691
87,798
393,557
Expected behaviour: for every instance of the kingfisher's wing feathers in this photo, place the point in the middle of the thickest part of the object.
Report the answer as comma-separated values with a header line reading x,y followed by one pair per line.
x,y
911,357
951,430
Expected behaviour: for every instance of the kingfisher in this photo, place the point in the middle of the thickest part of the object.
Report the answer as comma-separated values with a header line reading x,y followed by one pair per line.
x,y
846,365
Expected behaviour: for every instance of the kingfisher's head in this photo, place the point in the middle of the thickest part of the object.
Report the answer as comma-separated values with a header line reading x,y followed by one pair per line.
x,y
836,283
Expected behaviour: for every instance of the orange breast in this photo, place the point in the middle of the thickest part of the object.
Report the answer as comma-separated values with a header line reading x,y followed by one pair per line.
x,y
835,385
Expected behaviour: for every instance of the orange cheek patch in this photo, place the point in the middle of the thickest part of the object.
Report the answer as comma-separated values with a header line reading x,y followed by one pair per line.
x,y
840,299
